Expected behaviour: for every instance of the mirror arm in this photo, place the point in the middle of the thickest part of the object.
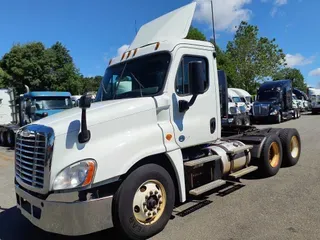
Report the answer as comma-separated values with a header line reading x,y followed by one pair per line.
x,y
185,105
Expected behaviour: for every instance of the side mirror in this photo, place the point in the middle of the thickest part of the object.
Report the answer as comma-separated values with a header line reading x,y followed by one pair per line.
x,y
85,101
196,77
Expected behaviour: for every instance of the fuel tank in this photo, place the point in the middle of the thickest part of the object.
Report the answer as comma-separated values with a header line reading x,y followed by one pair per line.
x,y
230,163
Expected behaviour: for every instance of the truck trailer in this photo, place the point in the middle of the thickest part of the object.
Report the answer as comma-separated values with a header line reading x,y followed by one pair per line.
x,y
31,106
127,159
314,96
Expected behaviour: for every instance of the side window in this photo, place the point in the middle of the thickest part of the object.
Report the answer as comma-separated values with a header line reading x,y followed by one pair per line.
x,y
182,78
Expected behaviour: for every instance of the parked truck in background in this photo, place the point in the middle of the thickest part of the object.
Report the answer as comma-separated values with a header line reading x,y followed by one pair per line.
x,y
245,97
274,102
125,160
31,106
303,98
314,96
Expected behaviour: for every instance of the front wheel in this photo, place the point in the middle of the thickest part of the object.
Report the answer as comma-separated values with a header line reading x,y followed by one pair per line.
x,y
144,202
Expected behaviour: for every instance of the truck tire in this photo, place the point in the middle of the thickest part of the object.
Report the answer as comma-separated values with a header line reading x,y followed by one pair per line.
x,y
10,138
246,121
271,156
143,204
291,145
237,121
279,118
3,138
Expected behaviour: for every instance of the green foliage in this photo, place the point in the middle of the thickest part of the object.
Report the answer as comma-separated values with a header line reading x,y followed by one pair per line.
x,y
40,68
293,74
252,58
4,78
195,34
90,84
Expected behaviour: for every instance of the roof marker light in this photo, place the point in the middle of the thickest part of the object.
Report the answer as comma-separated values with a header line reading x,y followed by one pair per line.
x,y
157,46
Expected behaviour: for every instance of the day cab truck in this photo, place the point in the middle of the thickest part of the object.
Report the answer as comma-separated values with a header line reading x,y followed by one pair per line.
x,y
31,106
127,159
274,102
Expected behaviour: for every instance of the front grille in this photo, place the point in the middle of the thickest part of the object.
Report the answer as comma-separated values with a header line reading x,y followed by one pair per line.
x,y
261,110
33,155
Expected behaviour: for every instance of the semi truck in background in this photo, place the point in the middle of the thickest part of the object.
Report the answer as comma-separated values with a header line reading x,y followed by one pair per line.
x,y
274,102
314,96
127,159
31,106
244,96
303,98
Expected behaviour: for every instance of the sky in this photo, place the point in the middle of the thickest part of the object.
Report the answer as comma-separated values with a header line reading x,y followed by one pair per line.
x,y
95,31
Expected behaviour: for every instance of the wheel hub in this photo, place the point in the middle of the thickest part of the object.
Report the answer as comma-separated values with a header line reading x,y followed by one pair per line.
x,y
149,202
294,146
274,154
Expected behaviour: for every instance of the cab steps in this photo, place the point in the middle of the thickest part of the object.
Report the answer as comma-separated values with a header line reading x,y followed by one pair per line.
x,y
207,187
201,161
243,172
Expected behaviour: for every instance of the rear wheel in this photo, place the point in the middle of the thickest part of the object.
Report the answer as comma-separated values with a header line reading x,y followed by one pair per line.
x,y
271,156
3,138
144,202
291,144
238,121
279,118
10,138
246,121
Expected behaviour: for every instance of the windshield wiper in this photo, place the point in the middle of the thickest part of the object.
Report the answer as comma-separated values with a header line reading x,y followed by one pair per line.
x,y
141,86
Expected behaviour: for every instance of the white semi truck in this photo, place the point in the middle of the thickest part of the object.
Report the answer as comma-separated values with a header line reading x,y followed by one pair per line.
x,y
245,97
314,96
127,159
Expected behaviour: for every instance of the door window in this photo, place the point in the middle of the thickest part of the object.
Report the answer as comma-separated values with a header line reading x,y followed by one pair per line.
x,y
182,78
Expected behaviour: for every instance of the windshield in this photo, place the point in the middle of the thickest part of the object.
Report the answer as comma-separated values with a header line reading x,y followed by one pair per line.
x,y
248,99
236,99
268,96
49,103
144,76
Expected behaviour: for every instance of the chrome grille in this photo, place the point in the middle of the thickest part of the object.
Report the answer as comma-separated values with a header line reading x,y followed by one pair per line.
x,y
33,151
261,110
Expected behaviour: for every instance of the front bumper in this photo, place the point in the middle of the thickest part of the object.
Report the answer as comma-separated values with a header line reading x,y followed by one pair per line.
x,y
269,118
66,218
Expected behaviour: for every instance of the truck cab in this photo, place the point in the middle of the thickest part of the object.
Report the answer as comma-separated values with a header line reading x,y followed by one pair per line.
x,y
274,102
151,139
314,95
244,96
47,103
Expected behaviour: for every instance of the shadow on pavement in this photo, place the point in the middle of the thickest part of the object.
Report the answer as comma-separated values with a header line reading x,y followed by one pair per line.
x,y
13,226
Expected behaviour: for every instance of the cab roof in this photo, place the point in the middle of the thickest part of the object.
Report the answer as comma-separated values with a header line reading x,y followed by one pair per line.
x,y
47,94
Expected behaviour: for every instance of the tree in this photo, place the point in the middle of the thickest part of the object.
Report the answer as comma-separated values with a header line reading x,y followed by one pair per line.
x,y
196,34
293,74
40,68
4,78
252,58
90,84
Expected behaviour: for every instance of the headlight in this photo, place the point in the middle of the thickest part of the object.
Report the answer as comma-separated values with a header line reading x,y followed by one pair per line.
x,y
274,112
79,174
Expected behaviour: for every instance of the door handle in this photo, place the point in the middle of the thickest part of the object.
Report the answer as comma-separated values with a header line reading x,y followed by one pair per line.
x,y
212,125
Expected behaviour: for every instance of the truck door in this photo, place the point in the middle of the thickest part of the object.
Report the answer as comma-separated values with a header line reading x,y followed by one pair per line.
x,y
198,124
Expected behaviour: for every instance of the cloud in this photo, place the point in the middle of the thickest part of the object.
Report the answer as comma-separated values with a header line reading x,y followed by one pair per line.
x,y
122,49
315,72
227,13
298,60
276,5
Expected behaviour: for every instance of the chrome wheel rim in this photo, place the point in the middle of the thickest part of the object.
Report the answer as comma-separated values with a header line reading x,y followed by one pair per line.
x,y
294,147
274,154
149,202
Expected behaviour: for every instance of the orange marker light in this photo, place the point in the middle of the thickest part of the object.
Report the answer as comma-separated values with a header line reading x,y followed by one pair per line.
x,y
90,174
157,46
128,54
123,56
135,51
168,136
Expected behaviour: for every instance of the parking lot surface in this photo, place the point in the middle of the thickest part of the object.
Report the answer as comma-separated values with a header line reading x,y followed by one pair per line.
x,y
285,206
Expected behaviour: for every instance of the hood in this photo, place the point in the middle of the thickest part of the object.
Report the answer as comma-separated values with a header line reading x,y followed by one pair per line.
x,y
99,112
265,103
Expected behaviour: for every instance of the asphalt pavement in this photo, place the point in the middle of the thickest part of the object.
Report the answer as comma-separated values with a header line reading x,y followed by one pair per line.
x,y
285,206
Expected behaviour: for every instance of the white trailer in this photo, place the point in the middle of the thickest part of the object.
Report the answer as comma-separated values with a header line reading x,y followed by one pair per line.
x,y
127,159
